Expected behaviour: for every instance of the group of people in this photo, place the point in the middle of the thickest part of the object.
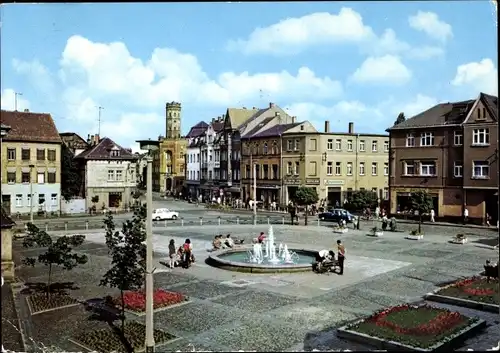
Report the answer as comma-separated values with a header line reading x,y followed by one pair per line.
x,y
182,256
220,243
325,260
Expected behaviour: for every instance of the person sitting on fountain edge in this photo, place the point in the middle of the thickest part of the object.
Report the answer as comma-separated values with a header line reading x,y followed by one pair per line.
x,y
216,243
229,241
261,237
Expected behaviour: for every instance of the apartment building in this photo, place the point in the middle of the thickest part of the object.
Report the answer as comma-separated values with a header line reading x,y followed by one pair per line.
x,y
31,163
336,163
210,160
192,176
451,151
110,173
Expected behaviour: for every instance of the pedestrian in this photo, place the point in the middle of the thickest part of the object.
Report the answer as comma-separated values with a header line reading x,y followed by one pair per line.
x,y
466,215
171,253
488,220
432,215
377,212
340,256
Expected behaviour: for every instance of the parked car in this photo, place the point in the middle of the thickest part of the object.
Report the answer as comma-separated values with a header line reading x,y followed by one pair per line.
x,y
164,213
336,215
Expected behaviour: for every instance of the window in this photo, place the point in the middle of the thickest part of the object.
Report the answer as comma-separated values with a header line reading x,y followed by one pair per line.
x,y
275,172
25,177
458,169
349,145
386,146
289,145
40,178
362,168
481,170
329,144
349,168
374,168
119,175
29,200
329,168
53,199
374,146
19,200
409,168
313,145
11,177
481,137
386,169
115,153
386,193
209,175
264,149
338,168
41,199
296,145
25,154
410,140
265,169
362,146
427,139
40,154
338,144
297,168
111,175
427,168
312,168
257,171
51,155
289,169
51,178
248,174
458,138
11,154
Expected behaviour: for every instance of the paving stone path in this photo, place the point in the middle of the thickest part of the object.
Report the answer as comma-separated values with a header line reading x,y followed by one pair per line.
x,y
291,312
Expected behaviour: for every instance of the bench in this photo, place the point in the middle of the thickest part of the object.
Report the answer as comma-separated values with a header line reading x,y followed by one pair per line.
x,y
490,272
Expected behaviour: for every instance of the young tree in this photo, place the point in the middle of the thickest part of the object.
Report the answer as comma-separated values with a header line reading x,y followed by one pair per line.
x,y
59,252
305,197
95,201
71,179
422,202
128,254
401,117
361,200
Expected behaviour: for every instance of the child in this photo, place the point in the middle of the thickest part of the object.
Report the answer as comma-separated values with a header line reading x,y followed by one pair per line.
x,y
171,253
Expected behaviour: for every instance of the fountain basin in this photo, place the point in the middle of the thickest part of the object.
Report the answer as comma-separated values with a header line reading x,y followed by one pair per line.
x,y
237,260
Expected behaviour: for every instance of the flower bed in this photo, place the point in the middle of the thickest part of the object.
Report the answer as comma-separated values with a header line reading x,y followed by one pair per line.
x,y
39,302
106,340
473,292
135,301
410,327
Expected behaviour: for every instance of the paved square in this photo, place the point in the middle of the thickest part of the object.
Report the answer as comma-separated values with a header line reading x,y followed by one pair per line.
x,y
429,253
256,301
205,289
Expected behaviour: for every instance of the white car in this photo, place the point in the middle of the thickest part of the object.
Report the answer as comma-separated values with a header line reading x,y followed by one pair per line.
x,y
164,213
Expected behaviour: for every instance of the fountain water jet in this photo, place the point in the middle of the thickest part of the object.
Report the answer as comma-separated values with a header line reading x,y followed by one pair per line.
x,y
283,255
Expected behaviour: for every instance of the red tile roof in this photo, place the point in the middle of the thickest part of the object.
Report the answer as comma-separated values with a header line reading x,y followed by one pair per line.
x,y
102,151
30,127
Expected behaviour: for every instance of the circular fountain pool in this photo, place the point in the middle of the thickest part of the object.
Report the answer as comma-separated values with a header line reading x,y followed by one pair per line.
x,y
240,260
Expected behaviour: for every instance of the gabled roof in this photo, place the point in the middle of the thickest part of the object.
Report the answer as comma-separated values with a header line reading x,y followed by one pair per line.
x,y
73,140
259,126
30,127
274,131
102,151
197,130
238,116
439,115
491,103
218,126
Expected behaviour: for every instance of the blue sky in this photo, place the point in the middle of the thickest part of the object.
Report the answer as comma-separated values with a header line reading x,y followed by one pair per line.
x,y
339,61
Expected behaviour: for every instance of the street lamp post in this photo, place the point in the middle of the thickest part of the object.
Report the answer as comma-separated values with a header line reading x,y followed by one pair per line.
x,y
150,146
31,192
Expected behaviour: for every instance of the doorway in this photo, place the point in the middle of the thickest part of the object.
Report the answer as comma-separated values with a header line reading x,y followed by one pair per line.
x,y
492,206
334,197
114,199
6,203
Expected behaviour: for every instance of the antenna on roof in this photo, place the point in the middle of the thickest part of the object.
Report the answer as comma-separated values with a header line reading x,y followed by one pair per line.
x,y
15,99
99,121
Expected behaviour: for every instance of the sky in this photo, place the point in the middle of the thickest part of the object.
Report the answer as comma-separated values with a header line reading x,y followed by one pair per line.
x,y
339,61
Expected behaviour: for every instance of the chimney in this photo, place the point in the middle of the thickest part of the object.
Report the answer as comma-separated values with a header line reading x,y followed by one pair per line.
x,y
327,126
213,120
271,105
96,139
88,139
294,119
351,127
26,110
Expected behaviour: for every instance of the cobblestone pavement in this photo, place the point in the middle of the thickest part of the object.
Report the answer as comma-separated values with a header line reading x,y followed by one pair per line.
x,y
277,312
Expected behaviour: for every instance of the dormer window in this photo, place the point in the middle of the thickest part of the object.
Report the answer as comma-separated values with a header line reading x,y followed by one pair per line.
x,y
115,153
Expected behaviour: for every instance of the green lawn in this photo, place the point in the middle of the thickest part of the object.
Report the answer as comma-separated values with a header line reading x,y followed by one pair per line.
x,y
480,283
408,319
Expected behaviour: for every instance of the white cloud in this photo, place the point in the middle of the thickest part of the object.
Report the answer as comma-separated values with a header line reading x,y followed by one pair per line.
x,y
8,100
126,126
38,74
430,24
293,34
478,76
410,108
425,52
386,69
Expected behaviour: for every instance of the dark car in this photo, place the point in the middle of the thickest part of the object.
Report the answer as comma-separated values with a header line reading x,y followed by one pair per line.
x,y
336,215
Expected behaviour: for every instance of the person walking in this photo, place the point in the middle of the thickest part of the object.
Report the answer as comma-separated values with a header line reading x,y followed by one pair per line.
x,y
172,254
466,215
432,215
340,256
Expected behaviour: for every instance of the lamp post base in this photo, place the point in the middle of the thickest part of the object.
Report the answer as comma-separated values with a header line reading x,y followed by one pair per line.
x,y
150,349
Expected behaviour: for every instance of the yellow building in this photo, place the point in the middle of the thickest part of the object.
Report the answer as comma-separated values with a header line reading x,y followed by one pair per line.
x,y
169,160
336,164
31,163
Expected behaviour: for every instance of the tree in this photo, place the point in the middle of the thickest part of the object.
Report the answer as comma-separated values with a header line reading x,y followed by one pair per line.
x,y
95,201
305,197
422,202
59,252
361,200
400,118
128,254
71,179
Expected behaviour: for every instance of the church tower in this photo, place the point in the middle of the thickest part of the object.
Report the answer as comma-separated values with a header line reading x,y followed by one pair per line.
x,y
173,120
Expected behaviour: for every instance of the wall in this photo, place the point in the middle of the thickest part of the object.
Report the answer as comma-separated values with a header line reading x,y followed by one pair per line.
x,y
193,167
48,190
73,206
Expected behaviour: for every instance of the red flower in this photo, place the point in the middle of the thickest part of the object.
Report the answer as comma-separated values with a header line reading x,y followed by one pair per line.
x,y
136,300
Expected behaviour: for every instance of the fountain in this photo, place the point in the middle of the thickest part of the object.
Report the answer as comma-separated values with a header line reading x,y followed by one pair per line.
x,y
264,257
